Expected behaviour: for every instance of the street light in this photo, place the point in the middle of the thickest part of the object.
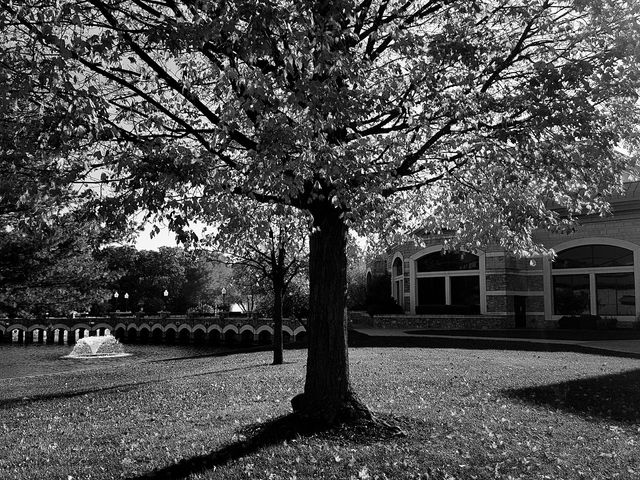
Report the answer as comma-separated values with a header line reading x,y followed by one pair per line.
x,y
224,294
166,299
126,302
115,300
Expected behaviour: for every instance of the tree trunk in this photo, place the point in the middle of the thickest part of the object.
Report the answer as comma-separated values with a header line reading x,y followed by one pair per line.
x,y
277,321
328,397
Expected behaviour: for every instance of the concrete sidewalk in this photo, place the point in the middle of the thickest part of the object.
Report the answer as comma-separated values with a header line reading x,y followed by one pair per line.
x,y
398,337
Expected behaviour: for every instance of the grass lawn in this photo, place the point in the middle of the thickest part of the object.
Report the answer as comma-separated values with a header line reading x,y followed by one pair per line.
x,y
467,414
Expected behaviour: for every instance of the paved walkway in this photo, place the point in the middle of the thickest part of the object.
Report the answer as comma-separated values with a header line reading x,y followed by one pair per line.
x,y
618,347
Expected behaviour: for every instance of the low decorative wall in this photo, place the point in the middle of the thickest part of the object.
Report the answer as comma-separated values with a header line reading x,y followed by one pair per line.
x,y
432,322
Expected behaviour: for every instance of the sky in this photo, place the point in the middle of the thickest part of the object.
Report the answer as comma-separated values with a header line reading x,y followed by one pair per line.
x,y
163,239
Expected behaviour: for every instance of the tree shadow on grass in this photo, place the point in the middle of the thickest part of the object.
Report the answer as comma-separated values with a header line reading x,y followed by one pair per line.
x,y
10,402
258,436
614,397
252,439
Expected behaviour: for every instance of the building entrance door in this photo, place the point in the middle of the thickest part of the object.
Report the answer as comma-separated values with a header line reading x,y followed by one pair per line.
x,y
520,311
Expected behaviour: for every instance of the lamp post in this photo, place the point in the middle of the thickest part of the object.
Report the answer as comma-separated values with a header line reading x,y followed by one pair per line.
x,y
254,289
126,301
165,294
115,301
224,294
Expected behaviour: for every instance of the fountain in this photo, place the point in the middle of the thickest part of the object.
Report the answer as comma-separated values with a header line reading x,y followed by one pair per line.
x,y
106,346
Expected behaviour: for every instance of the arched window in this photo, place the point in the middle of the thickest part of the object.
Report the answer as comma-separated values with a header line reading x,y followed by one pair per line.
x,y
593,256
397,267
594,279
398,281
448,282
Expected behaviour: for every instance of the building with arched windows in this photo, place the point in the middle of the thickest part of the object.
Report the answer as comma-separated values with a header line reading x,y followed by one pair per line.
x,y
596,271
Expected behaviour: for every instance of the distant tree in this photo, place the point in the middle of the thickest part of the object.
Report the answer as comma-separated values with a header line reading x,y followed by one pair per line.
x,y
356,276
474,116
246,287
52,268
205,277
295,303
270,242
191,278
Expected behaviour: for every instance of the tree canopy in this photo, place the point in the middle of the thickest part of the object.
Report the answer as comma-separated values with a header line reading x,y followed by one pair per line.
x,y
472,116
348,101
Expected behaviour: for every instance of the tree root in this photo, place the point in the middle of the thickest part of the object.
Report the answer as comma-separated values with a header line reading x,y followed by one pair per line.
x,y
348,414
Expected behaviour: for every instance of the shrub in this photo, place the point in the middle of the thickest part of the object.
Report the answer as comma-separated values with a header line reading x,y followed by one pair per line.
x,y
606,323
448,309
203,310
388,306
99,309
153,305
587,322
379,302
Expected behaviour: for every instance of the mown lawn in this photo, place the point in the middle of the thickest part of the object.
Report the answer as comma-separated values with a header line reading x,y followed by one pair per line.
x,y
466,414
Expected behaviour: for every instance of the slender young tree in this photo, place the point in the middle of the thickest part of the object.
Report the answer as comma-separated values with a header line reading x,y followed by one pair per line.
x,y
271,242
475,116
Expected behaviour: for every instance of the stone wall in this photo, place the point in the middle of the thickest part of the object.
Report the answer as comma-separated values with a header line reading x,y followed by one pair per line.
x,y
435,322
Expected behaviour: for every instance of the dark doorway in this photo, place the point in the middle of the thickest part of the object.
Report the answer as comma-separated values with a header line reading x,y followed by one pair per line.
x,y
520,311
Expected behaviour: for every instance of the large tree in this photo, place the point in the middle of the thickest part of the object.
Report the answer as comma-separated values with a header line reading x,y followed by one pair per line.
x,y
476,116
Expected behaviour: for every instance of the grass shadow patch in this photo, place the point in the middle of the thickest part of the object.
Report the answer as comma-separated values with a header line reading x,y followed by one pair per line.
x,y
11,402
614,397
256,437
427,340
251,439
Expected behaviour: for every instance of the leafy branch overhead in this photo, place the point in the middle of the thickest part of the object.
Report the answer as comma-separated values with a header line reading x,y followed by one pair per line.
x,y
364,104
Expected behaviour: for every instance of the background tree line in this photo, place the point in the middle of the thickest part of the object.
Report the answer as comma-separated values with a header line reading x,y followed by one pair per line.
x,y
62,270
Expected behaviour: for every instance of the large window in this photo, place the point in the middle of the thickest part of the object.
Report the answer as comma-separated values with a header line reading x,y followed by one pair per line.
x,y
431,291
571,294
615,294
448,282
594,279
465,290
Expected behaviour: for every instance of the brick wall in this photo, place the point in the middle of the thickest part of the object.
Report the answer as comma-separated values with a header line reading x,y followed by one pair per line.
x,y
514,281
621,227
